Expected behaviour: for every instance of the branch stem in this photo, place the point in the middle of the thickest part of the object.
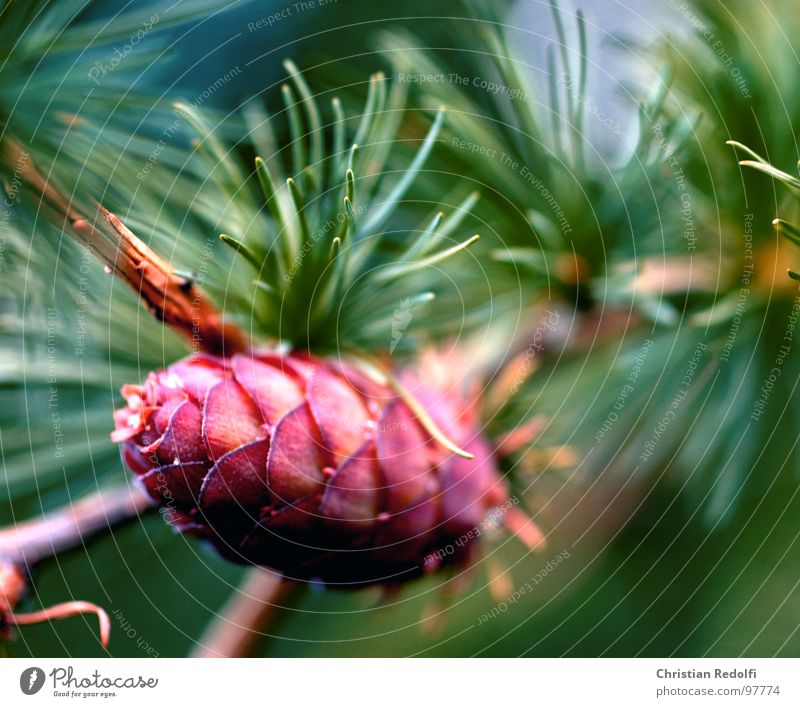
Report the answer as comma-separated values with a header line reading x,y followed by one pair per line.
x,y
31,541
240,624
65,611
169,297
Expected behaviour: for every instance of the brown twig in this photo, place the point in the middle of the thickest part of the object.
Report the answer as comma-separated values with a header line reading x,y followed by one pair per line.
x,y
234,631
64,611
171,298
29,542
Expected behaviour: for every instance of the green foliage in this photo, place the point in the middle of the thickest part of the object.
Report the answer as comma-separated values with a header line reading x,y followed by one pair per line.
x,y
75,110
563,215
317,223
58,68
790,182
737,68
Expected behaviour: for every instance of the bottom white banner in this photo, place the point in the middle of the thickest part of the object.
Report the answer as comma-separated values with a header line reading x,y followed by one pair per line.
x,y
405,683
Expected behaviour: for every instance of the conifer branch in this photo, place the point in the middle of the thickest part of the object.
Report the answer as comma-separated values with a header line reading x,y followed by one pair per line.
x,y
173,299
29,542
26,543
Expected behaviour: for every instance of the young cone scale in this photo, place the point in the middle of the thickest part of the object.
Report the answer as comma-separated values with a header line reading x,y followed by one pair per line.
x,y
309,466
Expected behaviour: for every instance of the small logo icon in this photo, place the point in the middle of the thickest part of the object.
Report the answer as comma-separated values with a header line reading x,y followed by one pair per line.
x,y
31,680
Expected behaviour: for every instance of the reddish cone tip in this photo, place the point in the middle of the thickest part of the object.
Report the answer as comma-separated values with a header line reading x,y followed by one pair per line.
x,y
307,466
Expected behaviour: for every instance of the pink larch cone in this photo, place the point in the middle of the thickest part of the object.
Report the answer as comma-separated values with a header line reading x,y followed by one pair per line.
x,y
307,466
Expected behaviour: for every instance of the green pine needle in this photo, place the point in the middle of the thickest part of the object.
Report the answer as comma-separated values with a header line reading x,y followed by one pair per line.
x,y
322,236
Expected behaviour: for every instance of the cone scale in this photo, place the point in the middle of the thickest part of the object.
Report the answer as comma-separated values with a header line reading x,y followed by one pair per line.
x,y
308,466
